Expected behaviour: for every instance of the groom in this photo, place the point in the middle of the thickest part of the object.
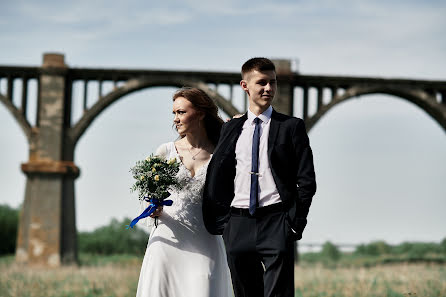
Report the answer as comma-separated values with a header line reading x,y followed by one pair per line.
x,y
259,187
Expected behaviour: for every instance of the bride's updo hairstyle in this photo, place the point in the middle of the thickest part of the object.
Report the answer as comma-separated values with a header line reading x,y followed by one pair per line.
x,y
202,102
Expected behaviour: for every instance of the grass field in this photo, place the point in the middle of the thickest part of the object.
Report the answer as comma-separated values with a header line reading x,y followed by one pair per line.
x,y
116,276
394,280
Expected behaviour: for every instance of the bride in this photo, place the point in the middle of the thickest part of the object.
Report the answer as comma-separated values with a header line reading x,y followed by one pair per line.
x,y
182,258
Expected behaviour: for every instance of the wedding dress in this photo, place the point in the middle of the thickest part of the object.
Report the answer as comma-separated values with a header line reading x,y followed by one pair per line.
x,y
182,259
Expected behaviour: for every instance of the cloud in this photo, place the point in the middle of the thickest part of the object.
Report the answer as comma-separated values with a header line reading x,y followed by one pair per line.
x,y
86,14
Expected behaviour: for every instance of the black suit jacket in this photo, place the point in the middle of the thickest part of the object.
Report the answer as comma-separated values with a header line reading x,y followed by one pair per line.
x,y
291,162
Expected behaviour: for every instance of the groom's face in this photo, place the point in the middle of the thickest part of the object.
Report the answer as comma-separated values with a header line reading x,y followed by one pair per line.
x,y
261,87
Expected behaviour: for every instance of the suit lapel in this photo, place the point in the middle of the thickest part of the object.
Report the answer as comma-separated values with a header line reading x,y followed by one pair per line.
x,y
273,131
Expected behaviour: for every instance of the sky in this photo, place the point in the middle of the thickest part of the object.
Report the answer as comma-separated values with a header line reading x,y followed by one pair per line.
x,y
380,160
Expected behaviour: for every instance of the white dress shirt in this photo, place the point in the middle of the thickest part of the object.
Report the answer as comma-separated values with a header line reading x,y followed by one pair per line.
x,y
268,193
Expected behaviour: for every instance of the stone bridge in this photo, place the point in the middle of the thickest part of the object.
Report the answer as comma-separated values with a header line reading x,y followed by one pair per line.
x,y
47,229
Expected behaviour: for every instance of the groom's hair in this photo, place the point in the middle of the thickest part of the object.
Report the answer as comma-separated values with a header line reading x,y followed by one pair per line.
x,y
259,64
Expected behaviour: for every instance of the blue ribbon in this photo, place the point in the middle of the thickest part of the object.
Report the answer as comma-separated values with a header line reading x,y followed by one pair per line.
x,y
154,204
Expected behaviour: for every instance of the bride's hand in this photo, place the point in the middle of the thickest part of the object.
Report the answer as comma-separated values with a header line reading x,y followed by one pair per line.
x,y
157,212
234,117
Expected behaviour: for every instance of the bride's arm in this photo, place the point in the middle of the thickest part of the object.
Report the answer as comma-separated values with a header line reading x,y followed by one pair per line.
x,y
161,151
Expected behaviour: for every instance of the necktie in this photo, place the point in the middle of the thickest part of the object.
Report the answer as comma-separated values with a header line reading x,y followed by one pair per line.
x,y
253,201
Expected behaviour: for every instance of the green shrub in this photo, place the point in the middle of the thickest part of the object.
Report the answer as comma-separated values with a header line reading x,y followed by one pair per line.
x,y
330,251
417,249
443,246
9,220
375,248
113,239
402,248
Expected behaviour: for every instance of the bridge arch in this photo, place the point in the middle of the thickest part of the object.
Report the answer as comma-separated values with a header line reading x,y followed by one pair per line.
x,y
401,186
14,146
129,130
134,85
418,97
18,116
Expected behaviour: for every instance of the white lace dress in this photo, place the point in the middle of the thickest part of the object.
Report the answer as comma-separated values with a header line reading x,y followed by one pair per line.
x,y
182,259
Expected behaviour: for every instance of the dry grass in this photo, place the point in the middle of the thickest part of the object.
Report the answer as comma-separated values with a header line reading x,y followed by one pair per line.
x,y
108,280
391,280
120,279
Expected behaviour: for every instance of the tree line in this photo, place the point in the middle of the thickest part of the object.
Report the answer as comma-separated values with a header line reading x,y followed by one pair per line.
x,y
106,240
115,239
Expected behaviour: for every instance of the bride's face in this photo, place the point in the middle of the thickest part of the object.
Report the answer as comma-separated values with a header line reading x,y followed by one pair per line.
x,y
187,118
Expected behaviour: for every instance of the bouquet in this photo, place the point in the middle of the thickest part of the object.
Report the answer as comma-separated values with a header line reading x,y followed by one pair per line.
x,y
154,176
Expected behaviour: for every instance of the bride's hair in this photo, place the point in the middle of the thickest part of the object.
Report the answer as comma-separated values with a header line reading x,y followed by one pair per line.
x,y
202,102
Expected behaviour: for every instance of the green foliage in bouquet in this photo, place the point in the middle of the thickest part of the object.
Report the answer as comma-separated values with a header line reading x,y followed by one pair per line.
x,y
154,176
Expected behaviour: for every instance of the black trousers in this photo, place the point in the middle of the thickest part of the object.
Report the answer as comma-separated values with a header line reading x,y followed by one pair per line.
x,y
260,253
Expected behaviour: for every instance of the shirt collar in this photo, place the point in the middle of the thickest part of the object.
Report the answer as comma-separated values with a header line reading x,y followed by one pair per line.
x,y
265,116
